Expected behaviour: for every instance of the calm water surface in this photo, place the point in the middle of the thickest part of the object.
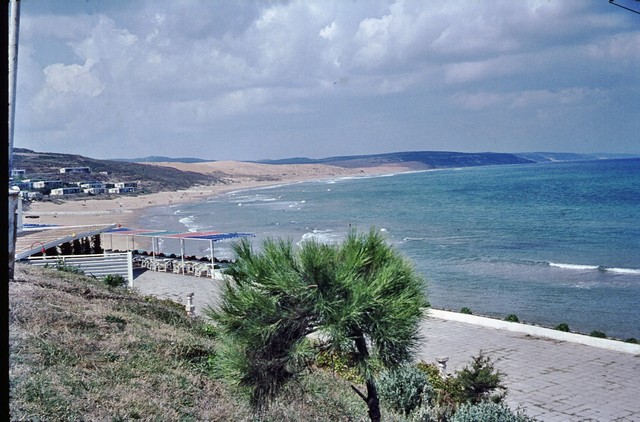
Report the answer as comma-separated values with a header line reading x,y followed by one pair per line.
x,y
551,243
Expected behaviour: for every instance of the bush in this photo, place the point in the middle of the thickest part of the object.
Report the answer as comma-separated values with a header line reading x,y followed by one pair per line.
x,y
488,412
563,327
512,318
115,280
404,389
339,364
478,381
465,310
632,340
62,266
598,334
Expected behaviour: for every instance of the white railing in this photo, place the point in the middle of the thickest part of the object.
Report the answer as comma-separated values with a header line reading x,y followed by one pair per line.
x,y
99,265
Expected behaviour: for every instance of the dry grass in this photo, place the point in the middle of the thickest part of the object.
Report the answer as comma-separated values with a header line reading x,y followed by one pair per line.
x,y
82,351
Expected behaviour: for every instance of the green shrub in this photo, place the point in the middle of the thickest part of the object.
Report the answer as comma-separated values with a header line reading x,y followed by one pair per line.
x,y
512,318
404,389
598,334
339,364
563,327
114,280
488,412
478,381
433,375
465,310
631,340
61,266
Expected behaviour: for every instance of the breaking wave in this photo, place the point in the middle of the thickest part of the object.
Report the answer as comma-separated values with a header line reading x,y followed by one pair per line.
x,y
579,267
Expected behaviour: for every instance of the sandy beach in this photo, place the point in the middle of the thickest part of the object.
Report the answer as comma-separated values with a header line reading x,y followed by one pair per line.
x,y
234,175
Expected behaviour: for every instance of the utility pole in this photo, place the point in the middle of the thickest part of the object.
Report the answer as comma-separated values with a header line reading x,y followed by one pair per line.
x,y
14,194
14,29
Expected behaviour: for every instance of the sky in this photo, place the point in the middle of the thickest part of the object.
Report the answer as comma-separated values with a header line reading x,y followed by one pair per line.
x,y
251,80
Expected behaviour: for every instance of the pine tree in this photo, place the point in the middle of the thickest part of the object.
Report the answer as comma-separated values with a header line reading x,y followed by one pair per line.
x,y
362,297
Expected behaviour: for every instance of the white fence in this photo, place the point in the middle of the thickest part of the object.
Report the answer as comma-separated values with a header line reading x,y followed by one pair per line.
x,y
96,265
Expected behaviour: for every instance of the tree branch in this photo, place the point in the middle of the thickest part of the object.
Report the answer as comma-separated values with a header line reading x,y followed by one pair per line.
x,y
358,392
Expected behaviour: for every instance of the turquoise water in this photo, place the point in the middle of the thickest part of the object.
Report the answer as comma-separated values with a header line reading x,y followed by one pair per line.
x,y
551,243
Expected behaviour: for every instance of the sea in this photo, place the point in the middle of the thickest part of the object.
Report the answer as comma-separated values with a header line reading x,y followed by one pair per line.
x,y
552,243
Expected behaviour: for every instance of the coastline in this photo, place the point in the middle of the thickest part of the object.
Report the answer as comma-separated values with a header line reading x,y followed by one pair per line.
x,y
125,210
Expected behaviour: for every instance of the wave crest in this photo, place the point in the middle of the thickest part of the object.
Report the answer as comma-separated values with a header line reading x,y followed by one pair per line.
x,y
580,267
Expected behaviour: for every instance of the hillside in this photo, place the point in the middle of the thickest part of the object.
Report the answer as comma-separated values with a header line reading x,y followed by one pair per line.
x,y
427,159
82,351
46,165
416,159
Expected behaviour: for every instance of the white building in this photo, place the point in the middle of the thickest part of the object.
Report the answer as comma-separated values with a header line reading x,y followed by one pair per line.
x,y
43,184
121,190
95,190
65,191
91,185
127,184
34,195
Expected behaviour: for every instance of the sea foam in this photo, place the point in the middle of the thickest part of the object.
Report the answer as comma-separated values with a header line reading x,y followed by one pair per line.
x,y
578,267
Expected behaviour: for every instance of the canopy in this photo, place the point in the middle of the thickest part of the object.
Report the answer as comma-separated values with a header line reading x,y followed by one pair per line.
x,y
215,236
131,234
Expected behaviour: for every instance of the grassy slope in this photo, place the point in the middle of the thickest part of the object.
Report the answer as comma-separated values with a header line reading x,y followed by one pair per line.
x,y
151,178
82,351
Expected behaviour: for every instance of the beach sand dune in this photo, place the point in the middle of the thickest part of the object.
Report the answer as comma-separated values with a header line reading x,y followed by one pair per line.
x,y
233,175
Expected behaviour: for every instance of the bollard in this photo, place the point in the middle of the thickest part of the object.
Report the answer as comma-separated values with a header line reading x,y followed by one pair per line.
x,y
442,365
190,308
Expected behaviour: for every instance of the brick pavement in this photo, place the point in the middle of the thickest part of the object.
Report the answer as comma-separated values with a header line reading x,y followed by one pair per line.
x,y
551,380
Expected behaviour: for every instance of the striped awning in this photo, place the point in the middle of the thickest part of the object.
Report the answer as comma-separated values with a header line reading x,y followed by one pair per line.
x,y
215,236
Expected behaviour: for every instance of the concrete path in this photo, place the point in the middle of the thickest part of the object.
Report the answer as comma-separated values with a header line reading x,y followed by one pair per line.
x,y
551,380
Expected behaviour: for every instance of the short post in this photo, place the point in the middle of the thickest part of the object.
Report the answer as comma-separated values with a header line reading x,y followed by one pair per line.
x,y
14,198
442,365
190,308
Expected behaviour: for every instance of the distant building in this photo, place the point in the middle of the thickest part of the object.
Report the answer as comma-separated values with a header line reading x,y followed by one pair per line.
x,y
126,185
22,185
33,195
121,190
88,185
18,173
75,170
94,190
65,191
46,184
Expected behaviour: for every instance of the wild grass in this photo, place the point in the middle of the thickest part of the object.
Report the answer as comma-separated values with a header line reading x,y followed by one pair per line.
x,y
80,350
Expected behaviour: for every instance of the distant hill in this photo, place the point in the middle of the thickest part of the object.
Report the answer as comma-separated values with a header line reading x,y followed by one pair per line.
x,y
427,159
542,157
424,159
151,178
161,159
154,178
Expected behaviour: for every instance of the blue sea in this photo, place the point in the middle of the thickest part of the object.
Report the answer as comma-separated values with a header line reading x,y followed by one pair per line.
x,y
551,242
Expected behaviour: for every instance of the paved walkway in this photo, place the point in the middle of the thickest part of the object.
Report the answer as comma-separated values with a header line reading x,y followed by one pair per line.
x,y
552,380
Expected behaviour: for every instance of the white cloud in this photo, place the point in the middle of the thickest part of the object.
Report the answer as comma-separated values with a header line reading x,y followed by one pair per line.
x,y
76,79
162,67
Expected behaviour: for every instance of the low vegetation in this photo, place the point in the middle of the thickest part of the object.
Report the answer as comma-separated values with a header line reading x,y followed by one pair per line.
x,y
84,349
81,350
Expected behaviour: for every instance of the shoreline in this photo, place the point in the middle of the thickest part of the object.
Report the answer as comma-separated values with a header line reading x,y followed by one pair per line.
x,y
236,176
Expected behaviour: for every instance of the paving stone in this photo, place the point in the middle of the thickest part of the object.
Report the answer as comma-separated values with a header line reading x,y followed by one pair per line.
x,y
552,380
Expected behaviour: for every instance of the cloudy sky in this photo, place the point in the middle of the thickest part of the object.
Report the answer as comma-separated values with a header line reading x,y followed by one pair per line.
x,y
249,80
